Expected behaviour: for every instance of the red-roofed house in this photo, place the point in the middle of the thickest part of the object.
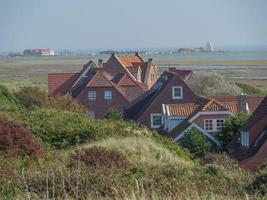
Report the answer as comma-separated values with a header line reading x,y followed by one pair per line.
x,y
106,85
133,65
250,144
171,106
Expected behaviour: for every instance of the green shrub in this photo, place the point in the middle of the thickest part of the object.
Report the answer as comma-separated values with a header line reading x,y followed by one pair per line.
x,y
30,96
196,143
60,129
66,103
230,128
249,89
8,101
113,114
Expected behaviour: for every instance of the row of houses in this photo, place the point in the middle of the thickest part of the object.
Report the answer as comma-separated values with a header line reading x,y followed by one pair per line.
x,y
165,103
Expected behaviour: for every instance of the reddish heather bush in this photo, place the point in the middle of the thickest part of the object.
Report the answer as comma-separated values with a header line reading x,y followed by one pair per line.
x,y
99,157
15,140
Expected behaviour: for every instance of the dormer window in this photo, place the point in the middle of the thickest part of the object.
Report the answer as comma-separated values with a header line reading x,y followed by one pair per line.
x,y
177,92
244,139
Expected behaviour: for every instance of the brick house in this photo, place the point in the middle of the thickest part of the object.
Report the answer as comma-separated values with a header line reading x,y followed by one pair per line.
x,y
173,108
105,85
170,88
250,144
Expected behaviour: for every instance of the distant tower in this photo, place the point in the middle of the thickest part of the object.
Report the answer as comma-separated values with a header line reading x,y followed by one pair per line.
x,y
209,47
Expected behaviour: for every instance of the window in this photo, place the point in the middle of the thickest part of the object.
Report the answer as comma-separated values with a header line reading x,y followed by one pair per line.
x,y
108,95
156,120
91,113
244,138
177,92
92,95
208,124
219,124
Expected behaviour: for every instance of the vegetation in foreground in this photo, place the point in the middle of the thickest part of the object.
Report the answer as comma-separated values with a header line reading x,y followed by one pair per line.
x,y
53,150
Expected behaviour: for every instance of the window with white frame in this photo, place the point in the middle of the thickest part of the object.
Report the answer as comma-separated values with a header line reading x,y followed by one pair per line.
x,y
156,120
177,92
91,113
208,124
92,95
108,95
219,124
244,138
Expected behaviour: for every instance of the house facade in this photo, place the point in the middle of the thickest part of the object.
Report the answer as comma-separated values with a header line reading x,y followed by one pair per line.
x,y
173,108
102,86
250,144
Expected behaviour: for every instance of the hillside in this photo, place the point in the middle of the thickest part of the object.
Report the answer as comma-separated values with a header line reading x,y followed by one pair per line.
x,y
55,151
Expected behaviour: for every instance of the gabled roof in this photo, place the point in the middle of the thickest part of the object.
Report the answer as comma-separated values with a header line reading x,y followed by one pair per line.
x,y
136,108
128,60
258,114
253,101
86,74
201,105
183,73
139,105
60,83
213,105
117,78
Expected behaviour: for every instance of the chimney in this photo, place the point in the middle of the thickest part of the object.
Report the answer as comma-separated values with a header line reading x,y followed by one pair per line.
x,y
113,54
242,105
136,54
150,60
100,62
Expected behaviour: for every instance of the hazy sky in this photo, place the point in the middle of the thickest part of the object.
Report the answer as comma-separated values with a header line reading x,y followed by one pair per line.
x,y
108,24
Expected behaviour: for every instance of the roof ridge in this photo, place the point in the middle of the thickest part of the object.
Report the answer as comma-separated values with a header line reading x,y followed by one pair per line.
x,y
210,102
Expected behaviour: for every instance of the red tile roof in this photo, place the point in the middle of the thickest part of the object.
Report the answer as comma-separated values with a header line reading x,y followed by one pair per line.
x,y
60,83
253,101
259,114
183,73
213,105
182,109
128,60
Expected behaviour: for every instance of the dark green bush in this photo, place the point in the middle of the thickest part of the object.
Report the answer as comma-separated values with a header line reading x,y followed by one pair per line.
x,y
113,114
196,143
259,184
30,96
58,128
230,128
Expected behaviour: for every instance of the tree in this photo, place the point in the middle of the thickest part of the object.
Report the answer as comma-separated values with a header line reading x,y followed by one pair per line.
x,y
30,96
114,114
212,84
230,128
196,143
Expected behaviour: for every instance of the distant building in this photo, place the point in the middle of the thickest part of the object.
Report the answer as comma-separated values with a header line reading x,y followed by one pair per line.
x,y
15,54
209,47
39,52
185,50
